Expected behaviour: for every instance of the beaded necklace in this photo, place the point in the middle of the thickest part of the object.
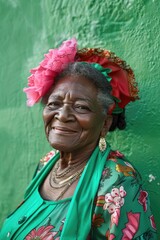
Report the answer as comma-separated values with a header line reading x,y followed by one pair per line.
x,y
55,181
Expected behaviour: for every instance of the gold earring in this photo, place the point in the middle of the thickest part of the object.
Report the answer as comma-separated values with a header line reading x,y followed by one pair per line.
x,y
102,144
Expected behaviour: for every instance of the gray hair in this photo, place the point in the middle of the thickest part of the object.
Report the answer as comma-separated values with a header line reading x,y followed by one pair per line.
x,y
98,79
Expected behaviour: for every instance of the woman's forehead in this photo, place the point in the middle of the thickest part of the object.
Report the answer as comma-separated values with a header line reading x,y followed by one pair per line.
x,y
79,87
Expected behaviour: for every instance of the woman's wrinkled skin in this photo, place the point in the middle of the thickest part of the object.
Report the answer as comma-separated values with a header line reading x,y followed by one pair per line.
x,y
74,121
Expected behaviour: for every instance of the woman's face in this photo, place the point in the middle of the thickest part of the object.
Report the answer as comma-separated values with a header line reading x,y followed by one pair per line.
x,y
73,117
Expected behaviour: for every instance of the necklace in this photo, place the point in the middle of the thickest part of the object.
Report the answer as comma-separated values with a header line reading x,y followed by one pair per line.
x,y
69,169
67,187
54,183
66,183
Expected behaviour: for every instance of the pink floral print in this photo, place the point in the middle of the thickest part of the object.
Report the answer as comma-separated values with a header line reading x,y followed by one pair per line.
x,y
47,157
109,236
42,233
152,222
113,202
132,226
143,199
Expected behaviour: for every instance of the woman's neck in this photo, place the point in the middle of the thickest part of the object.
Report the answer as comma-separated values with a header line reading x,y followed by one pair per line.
x,y
70,159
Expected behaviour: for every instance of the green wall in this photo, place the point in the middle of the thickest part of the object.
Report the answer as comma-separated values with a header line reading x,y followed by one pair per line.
x,y
28,29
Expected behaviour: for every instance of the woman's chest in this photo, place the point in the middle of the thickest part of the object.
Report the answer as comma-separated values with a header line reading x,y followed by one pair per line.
x,y
55,192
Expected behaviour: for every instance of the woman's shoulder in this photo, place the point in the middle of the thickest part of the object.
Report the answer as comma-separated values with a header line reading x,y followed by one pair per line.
x,y
118,162
118,171
44,160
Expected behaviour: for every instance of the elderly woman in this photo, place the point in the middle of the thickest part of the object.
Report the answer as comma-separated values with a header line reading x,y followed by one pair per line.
x,y
84,190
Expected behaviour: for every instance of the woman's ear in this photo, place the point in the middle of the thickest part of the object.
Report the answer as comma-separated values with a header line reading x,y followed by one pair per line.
x,y
106,125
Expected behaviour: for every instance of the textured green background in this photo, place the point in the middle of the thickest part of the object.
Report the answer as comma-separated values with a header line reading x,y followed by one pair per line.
x,y
29,28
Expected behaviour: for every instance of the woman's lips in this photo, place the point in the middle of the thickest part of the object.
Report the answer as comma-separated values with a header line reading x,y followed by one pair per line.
x,y
62,130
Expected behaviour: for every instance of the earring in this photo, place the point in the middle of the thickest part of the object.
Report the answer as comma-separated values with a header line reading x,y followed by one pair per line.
x,y
102,144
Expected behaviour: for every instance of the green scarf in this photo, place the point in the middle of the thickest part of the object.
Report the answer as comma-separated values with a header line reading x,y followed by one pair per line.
x,y
79,217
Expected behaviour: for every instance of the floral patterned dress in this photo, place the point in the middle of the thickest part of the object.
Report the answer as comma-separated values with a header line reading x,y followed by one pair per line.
x,y
121,208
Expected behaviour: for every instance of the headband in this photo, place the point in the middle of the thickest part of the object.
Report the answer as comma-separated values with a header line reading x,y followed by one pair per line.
x,y
116,71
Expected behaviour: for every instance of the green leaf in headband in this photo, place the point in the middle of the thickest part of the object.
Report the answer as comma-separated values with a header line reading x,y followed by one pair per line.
x,y
105,72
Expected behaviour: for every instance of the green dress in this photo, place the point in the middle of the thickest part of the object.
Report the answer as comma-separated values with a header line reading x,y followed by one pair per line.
x,y
120,208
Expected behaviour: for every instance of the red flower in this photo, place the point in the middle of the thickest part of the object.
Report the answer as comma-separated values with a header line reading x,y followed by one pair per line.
x,y
42,233
115,154
97,220
143,199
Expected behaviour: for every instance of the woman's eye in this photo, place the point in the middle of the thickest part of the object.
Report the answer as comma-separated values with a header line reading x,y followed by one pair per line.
x,y
54,105
82,108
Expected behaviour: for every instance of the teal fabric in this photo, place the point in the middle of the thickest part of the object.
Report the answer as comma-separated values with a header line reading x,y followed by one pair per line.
x,y
81,208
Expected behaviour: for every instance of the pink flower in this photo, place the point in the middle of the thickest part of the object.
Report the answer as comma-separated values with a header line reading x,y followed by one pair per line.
x,y
115,199
152,222
39,83
143,199
42,77
43,233
113,202
132,226
115,217
110,236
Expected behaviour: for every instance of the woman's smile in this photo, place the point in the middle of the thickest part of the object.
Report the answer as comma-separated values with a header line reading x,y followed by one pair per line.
x,y
62,130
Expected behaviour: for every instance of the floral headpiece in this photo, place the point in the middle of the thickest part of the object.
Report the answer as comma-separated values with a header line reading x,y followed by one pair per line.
x,y
120,75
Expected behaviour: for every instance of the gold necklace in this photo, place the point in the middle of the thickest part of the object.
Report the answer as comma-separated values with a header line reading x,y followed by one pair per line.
x,y
54,179
67,187
59,184
58,175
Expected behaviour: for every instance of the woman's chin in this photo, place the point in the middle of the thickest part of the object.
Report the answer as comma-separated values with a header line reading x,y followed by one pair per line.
x,y
60,147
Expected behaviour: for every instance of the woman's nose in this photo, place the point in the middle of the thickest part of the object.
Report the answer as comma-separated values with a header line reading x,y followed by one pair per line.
x,y
65,114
